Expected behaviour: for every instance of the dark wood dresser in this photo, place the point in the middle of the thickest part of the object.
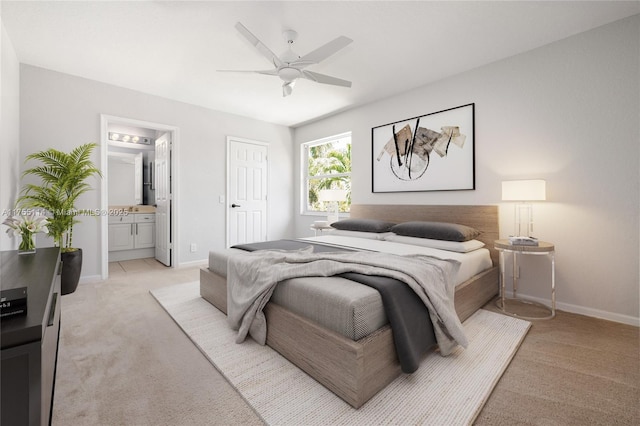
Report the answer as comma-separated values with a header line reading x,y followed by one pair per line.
x,y
30,342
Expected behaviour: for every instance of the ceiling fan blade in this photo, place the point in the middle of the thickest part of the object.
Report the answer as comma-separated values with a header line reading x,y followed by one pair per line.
x,y
264,50
266,72
323,52
325,79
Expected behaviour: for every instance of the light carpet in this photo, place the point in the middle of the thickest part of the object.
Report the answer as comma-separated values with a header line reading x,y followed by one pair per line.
x,y
445,390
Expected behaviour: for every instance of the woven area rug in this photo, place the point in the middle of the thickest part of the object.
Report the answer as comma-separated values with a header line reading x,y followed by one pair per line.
x,y
445,390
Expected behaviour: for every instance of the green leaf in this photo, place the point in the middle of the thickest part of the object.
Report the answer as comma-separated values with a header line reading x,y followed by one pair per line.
x,y
63,178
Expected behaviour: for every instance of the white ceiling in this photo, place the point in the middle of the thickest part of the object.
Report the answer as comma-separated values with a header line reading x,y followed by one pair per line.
x,y
173,49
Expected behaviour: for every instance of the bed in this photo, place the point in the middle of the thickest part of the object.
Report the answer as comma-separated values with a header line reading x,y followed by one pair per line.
x,y
355,370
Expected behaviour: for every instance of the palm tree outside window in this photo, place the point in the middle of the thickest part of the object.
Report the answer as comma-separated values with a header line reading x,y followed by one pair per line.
x,y
326,164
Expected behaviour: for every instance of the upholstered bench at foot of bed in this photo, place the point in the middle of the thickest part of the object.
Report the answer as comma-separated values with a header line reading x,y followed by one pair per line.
x,y
338,304
353,370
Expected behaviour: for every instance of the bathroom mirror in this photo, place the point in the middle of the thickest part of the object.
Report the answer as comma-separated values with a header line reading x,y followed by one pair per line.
x,y
125,178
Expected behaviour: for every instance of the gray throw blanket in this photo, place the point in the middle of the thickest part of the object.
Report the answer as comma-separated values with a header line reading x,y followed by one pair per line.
x,y
252,277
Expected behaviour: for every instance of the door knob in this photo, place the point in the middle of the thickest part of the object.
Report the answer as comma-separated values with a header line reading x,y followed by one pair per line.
x,y
234,205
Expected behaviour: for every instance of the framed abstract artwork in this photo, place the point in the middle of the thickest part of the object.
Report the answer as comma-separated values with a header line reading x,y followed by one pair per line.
x,y
432,152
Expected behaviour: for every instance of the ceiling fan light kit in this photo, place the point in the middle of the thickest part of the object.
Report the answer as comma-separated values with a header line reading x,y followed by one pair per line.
x,y
287,88
288,74
289,66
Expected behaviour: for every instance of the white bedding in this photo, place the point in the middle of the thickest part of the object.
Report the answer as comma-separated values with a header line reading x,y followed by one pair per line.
x,y
472,263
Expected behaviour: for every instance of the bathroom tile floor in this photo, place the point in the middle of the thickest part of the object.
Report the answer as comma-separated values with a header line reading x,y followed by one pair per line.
x,y
134,265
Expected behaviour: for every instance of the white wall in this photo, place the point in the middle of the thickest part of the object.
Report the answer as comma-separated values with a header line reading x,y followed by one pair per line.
x,y
63,111
568,113
9,133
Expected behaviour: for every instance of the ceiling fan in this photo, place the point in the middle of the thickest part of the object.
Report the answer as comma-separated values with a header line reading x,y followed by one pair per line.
x,y
289,66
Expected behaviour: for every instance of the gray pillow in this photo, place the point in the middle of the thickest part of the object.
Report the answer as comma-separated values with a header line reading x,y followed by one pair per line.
x,y
436,231
363,225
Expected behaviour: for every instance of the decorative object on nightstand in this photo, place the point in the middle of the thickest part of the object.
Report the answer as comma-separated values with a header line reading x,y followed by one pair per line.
x,y
542,248
524,191
523,241
320,226
333,197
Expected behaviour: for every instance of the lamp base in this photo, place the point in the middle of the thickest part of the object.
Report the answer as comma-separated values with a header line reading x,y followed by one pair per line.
x,y
333,213
524,219
332,217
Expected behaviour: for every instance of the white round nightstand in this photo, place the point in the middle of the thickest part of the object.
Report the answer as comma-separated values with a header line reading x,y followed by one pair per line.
x,y
320,229
543,248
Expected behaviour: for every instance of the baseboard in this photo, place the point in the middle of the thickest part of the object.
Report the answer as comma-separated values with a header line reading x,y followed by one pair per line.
x,y
590,312
193,263
87,279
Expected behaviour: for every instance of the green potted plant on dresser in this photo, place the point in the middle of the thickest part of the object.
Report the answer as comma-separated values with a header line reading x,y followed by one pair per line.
x,y
63,178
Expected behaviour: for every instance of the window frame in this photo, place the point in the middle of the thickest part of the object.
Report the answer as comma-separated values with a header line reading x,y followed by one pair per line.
x,y
304,171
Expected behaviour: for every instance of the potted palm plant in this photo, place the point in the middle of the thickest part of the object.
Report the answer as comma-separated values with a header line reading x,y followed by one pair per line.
x,y
63,178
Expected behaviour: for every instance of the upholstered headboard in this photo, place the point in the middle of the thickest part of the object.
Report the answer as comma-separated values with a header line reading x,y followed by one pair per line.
x,y
482,218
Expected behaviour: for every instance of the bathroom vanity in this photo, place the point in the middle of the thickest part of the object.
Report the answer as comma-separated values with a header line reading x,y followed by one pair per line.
x,y
132,233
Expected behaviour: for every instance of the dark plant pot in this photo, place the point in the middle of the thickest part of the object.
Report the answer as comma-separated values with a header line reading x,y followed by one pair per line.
x,y
71,267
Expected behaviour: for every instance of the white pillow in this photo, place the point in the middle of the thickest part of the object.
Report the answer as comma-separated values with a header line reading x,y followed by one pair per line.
x,y
361,234
460,247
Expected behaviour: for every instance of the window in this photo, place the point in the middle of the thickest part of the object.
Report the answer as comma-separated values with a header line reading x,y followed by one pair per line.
x,y
326,164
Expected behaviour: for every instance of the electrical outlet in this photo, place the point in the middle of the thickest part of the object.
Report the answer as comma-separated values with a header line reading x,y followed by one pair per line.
x,y
194,247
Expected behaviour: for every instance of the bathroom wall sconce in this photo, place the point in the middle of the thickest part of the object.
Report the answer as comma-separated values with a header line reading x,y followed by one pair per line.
x,y
122,137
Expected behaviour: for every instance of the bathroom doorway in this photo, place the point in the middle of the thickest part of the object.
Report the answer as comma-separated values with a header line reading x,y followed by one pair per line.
x,y
129,190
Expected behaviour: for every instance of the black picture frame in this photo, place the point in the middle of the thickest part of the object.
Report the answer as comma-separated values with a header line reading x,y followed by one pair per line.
x,y
431,152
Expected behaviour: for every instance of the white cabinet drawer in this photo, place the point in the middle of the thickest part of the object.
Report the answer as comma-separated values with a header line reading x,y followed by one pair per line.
x,y
121,219
144,217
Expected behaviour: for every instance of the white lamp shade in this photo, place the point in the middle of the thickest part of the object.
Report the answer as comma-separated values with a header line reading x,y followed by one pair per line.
x,y
524,190
332,195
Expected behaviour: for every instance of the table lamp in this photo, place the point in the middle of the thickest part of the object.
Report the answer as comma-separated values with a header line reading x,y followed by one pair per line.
x,y
524,191
333,197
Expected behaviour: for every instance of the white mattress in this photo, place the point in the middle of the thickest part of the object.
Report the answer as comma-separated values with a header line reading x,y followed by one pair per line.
x,y
471,263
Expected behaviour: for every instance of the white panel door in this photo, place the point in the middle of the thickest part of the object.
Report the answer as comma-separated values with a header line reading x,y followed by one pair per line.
x,y
247,197
163,199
